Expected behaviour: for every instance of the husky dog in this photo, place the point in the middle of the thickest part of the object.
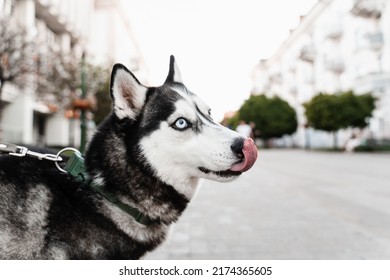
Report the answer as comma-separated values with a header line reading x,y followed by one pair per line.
x,y
148,156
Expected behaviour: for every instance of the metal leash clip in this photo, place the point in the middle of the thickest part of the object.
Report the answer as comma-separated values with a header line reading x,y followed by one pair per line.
x,y
75,165
20,151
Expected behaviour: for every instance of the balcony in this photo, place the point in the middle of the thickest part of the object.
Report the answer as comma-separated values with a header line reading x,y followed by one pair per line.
x,y
374,82
54,20
276,78
368,8
309,79
375,40
307,54
293,90
334,31
335,65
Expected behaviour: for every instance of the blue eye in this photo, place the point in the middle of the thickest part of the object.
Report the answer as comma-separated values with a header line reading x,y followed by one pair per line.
x,y
181,124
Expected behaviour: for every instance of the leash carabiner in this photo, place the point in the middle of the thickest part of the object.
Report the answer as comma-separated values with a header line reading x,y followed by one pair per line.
x,y
20,151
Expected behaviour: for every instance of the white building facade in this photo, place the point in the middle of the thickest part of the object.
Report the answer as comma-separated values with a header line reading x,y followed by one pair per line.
x,y
338,46
74,28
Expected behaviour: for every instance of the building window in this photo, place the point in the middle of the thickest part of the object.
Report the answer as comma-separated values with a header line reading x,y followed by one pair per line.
x,y
360,39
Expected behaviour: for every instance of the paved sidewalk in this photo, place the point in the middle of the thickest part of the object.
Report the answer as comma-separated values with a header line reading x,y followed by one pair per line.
x,y
291,205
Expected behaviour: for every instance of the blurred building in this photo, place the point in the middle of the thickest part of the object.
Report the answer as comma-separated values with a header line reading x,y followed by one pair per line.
x,y
338,46
99,29
111,38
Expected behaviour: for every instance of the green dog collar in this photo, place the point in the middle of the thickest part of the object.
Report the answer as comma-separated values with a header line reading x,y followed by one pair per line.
x,y
75,167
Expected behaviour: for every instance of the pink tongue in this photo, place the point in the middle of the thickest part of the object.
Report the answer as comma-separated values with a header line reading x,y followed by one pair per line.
x,y
250,155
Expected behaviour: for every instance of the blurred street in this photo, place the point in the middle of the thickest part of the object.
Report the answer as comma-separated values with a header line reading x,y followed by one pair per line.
x,y
292,204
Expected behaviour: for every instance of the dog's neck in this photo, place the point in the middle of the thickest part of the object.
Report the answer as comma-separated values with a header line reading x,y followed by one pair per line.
x,y
186,187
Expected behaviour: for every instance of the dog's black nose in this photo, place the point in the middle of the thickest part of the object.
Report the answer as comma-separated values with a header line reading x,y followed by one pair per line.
x,y
237,146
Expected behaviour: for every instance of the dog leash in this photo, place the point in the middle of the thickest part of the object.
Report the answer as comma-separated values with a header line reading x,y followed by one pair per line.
x,y
20,151
75,168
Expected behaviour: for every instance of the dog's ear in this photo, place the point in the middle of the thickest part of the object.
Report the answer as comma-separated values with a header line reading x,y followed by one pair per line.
x,y
127,93
174,75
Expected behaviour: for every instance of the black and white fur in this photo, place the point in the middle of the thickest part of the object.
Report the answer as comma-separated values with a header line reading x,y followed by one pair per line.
x,y
150,152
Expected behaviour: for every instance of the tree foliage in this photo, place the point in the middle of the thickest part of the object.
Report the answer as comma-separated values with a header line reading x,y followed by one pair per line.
x,y
357,109
55,76
273,117
333,112
17,54
59,77
322,112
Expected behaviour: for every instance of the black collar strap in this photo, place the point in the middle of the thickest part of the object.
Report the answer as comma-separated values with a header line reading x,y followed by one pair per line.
x,y
75,168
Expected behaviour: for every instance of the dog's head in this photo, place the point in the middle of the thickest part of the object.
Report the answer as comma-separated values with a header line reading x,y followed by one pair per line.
x,y
176,135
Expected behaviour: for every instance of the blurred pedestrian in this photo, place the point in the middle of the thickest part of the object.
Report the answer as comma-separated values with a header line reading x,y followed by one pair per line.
x,y
352,143
253,130
244,129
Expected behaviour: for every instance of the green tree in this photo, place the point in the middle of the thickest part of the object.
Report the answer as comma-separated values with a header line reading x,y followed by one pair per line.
x,y
322,112
273,117
356,109
329,112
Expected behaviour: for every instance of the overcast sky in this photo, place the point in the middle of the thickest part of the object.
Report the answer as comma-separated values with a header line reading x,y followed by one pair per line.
x,y
216,43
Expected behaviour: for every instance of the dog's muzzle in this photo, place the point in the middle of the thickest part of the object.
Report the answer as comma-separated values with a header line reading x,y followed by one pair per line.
x,y
246,150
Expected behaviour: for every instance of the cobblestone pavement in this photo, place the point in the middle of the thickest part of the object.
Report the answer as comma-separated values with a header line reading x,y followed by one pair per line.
x,y
291,205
